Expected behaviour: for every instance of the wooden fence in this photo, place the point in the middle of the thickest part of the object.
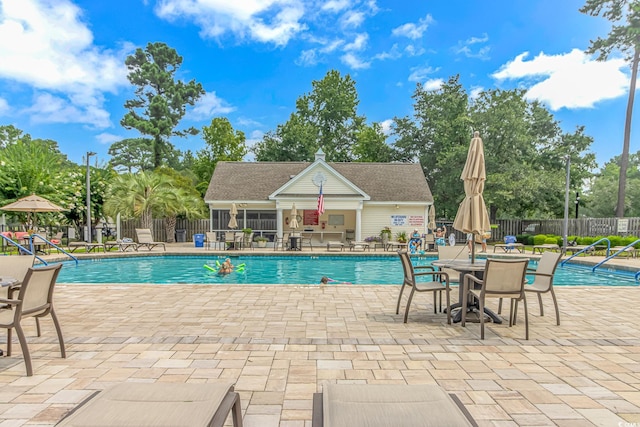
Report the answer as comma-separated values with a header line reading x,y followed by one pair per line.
x,y
582,227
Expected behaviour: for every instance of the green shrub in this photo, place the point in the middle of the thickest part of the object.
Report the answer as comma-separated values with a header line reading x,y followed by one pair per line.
x,y
522,238
551,240
586,240
539,239
615,240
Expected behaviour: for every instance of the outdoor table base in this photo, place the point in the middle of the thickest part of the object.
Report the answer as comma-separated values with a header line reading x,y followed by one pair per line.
x,y
294,243
472,306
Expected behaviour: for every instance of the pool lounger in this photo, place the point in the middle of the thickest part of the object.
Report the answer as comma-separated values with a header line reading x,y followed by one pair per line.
x,y
388,405
359,246
89,247
335,245
158,405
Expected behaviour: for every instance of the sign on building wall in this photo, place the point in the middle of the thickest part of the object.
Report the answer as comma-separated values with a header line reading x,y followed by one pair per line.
x,y
416,220
399,220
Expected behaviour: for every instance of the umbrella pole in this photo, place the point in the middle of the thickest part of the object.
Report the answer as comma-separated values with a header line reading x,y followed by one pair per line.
x,y
473,248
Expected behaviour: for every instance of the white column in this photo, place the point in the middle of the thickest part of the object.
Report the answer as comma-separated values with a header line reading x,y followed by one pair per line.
x,y
278,219
426,219
359,223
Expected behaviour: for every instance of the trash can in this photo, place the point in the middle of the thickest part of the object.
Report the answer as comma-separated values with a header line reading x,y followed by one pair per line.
x,y
198,240
181,236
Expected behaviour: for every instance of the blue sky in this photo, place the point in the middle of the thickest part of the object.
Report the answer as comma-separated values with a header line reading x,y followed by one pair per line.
x,y
62,73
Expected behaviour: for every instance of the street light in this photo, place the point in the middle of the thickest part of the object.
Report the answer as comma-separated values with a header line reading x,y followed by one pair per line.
x,y
577,203
87,238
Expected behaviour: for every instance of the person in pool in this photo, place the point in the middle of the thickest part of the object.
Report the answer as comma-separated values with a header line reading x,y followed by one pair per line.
x,y
226,267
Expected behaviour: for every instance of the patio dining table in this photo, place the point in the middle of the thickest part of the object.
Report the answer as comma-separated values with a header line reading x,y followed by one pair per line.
x,y
465,267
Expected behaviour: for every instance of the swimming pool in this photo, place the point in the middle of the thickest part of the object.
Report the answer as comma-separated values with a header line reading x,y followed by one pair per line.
x,y
173,269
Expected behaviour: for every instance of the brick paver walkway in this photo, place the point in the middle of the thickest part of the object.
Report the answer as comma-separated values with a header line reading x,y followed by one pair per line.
x,y
281,343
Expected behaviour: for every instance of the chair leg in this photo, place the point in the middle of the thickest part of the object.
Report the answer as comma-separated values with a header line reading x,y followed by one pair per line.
x,y
8,342
526,317
448,305
63,352
481,315
399,298
435,305
540,304
555,303
500,306
406,310
25,349
464,303
38,327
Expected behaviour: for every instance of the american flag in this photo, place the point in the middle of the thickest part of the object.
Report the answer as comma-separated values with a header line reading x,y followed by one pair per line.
x,y
320,202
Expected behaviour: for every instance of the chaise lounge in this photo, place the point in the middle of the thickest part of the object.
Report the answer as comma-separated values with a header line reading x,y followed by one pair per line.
x,y
145,239
378,405
158,405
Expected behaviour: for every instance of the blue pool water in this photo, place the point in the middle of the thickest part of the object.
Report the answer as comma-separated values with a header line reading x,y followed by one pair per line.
x,y
284,270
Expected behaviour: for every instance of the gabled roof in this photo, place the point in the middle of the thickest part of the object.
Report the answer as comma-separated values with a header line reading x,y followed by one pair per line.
x,y
384,182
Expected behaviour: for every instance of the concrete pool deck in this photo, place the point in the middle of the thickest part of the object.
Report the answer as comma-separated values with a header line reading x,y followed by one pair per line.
x,y
281,343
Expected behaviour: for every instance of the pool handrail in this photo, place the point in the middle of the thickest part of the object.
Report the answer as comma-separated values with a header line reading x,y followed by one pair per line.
x,y
22,248
50,243
614,255
591,246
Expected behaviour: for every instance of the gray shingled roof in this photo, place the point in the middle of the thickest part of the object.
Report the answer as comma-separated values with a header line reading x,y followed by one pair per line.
x,y
385,182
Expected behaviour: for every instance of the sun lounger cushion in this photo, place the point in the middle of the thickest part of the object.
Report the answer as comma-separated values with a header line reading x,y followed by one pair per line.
x,y
152,404
373,405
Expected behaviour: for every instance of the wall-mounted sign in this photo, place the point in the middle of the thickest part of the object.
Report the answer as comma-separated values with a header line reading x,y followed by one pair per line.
x,y
399,220
310,217
416,220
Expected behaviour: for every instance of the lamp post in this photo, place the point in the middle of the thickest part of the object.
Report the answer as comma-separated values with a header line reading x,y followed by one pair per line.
x,y
565,228
87,238
577,203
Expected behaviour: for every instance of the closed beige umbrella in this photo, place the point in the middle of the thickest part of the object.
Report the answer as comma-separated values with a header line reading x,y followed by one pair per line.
x,y
293,222
233,222
472,216
432,218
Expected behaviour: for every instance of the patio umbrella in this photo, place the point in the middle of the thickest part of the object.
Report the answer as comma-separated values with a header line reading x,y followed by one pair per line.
x,y
293,222
32,204
432,218
472,214
233,222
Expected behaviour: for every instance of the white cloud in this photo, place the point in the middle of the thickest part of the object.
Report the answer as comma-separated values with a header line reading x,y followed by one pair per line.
x,y
414,51
4,107
411,30
386,126
475,92
418,74
269,21
354,62
352,19
45,45
570,80
307,58
394,53
433,84
246,121
466,48
108,138
208,106
48,108
335,5
359,43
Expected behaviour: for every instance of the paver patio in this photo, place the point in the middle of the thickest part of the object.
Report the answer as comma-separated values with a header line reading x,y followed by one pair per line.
x,y
281,343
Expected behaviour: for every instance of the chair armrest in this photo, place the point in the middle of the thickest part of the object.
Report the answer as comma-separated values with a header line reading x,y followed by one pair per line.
x,y
10,301
539,274
424,266
434,274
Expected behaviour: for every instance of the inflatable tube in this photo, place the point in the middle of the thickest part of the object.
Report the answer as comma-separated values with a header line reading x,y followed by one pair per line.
x,y
240,267
208,267
217,263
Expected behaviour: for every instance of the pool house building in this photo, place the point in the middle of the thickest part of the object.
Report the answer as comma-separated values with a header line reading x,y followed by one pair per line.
x,y
360,199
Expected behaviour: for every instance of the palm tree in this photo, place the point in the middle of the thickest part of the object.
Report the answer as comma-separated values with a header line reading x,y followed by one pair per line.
x,y
145,195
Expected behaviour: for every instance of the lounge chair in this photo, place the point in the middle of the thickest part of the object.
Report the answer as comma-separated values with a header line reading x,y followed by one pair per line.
x,y
381,405
123,245
359,246
88,247
35,299
335,245
509,245
546,247
439,282
503,278
158,405
145,239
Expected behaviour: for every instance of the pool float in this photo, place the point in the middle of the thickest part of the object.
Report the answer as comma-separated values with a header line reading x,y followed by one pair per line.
x,y
208,267
240,267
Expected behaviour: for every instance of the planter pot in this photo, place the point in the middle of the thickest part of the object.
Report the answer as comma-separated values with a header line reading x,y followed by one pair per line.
x,y
261,244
